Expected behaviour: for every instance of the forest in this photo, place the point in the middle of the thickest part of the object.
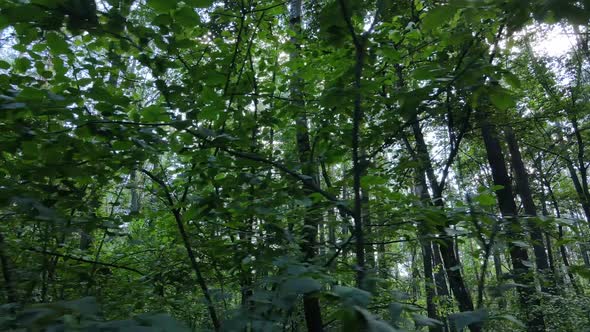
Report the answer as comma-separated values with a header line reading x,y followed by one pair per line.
x,y
294,165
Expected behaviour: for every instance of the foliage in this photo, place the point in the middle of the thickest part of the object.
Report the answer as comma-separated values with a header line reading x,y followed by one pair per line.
x,y
298,165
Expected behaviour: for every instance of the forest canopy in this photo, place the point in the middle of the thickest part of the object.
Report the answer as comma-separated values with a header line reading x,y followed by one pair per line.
x,y
298,165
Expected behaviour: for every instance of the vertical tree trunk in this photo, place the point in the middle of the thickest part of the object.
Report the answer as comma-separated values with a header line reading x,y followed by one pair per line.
x,y
524,191
545,183
579,189
366,216
439,274
358,158
583,191
447,250
499,274
415,275
429,286
550,255
311,304
518,255
421,190
7,273
566,262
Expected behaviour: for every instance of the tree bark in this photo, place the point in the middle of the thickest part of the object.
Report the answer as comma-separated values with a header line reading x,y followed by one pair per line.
x,y
524,191
421,190
439,274
311,303
449,257
505,198
7,270
579,189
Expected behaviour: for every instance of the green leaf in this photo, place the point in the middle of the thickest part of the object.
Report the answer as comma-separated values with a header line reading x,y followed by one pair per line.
x,y
220,176
395,311
4,64
501,98
512,319
56,43
153,113
372,180
380,326
162,322
438,16
162,6
22,64
581,270
187,17
466,318
352,296
301,286
422,320
200,3
511,79
485,199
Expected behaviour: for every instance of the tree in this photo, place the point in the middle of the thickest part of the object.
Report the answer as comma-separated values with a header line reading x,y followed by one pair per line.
x,y
301,165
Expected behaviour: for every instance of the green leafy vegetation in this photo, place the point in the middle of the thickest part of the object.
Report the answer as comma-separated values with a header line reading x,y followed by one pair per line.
x,y
327,165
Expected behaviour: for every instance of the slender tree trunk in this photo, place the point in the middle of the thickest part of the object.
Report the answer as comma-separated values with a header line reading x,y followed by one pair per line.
x,y
518,255
311,303
582,162
450,258
524,191
554,269
579,189
475,265
585,206
358,158
429,286
421,190
369,248
415,275
562,248
382,261
197,269
499,274
439,274
7,273
566,262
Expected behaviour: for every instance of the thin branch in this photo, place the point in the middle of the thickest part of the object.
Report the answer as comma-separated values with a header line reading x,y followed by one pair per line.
x,y
80,259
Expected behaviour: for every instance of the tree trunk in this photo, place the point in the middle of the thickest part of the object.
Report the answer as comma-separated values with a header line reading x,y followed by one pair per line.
x,y
359,163
449,257
524,191
7,273
579,190
499,274
439,274
369,248
584,192
311,303
505,198
421,190
429,286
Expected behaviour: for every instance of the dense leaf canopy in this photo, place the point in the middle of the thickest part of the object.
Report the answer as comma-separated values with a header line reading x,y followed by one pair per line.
x,y
300,165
